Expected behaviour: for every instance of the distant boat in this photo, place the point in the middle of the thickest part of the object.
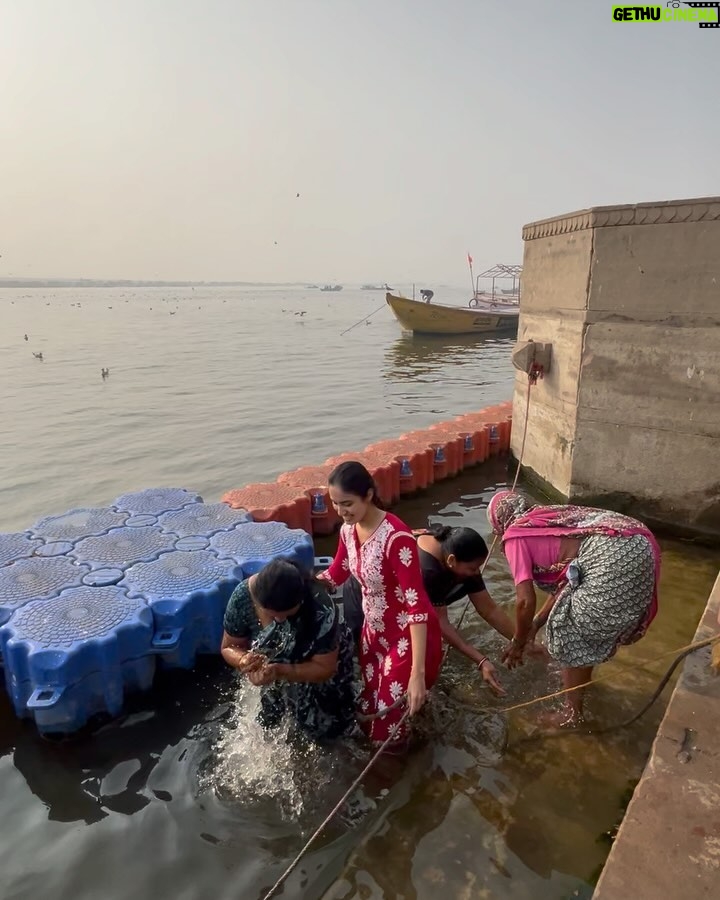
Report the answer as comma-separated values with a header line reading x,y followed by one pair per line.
x,y
376,287
332,287
311,287
434,318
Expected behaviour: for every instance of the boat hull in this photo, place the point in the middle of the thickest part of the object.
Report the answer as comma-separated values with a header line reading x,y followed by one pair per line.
x,y
432,318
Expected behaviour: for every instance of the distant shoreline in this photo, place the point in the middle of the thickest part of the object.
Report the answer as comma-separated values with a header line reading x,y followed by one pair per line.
x,y
104,282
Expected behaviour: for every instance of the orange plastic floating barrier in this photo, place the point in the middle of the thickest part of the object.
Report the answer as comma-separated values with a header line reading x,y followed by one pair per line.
x,y
400,467
386,471
455,445
440,445
273,502
480,435
415,462
313,480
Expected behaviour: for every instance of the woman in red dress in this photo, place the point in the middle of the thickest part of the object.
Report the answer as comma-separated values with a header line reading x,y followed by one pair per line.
x,y
400,643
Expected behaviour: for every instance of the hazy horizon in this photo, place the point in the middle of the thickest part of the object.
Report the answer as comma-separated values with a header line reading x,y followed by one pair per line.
x,y
150,141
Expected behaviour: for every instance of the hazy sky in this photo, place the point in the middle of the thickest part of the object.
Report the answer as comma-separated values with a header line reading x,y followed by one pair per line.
x,y
169,138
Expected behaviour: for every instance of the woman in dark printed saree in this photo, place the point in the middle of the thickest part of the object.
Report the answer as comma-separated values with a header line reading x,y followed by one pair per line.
x,y
282,631
601,571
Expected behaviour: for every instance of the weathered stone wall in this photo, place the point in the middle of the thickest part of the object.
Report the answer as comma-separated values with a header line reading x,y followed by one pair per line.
x,y
629,416
668,845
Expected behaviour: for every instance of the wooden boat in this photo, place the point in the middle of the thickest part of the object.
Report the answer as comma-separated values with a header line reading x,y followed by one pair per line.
x,y
435,318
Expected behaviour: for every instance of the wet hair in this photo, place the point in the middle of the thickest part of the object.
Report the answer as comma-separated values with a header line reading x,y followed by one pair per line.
x,y
282,585
353,478
465,544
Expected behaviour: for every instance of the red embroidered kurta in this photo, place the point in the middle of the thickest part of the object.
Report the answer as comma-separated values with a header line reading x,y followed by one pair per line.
x,y
387,566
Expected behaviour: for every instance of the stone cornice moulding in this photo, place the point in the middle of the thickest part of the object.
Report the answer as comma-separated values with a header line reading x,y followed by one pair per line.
x,y
703,209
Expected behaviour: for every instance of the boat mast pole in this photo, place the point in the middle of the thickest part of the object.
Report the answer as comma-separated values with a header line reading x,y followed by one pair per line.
x,y
472,280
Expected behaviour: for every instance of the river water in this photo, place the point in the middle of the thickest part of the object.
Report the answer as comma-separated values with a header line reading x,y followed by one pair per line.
x,y
183,797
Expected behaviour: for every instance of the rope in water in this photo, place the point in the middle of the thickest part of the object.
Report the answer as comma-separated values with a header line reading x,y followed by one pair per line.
x,y
331,815
680,652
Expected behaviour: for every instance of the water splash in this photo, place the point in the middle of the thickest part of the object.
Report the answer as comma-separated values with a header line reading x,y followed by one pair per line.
x,y
280,765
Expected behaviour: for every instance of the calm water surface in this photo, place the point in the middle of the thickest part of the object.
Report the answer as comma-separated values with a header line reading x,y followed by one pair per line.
x,y
183,797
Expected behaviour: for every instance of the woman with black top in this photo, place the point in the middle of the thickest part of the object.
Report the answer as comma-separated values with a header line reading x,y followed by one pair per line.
x,y
450,560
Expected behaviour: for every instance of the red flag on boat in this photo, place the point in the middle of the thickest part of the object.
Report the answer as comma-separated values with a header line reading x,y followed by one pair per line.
x,y
469,260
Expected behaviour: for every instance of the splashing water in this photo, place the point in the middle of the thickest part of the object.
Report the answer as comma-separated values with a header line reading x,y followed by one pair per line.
x,y
279,765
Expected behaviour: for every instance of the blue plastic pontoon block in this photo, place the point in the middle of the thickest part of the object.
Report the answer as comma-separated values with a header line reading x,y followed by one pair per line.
x,y
17,545
78,654
186,591
123,547
153,501
253,545
36,579
202,519
77,524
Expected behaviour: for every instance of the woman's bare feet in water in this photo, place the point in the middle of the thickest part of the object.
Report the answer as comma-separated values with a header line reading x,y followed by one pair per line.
x,y
566,717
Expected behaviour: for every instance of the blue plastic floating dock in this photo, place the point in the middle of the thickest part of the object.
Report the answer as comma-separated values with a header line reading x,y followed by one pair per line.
x,y
155,501
123,547
253,545
92,600
78,654
187,592
76,524
36,579
17,545
202,518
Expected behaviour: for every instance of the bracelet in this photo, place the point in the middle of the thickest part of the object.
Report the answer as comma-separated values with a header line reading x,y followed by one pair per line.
x,y
482,662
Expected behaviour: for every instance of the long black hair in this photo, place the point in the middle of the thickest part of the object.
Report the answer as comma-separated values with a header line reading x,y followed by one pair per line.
x,y
282,585
465,544
353,478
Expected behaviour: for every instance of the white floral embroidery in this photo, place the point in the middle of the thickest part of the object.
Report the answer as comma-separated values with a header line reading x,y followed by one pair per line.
x,y
402,646
365,645
405,554
370,564
346,565
383,643
364,705
394,729
369,671
411,595
375,697
381,705
399,596
418,618
387,665
380,658
396,690
402,620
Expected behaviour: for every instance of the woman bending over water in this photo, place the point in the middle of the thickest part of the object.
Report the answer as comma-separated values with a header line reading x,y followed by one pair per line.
x,y
282,632
601,570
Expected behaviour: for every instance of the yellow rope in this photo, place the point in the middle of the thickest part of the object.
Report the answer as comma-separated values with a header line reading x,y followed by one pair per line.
x,y
611,676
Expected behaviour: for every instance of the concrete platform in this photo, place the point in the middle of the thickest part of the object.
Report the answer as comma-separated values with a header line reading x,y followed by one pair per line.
x,y
668,846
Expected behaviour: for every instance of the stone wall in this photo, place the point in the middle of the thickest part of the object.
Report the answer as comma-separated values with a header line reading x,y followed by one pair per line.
x,y
629,416
668,845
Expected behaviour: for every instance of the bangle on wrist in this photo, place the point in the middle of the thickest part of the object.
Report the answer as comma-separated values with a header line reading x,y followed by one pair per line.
x,y
482,662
